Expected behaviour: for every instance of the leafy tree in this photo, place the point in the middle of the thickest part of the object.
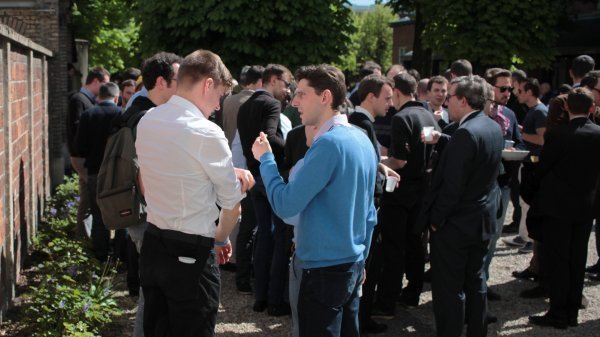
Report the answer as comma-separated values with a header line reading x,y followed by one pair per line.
x,y
376,36
244,32
487,32
112,31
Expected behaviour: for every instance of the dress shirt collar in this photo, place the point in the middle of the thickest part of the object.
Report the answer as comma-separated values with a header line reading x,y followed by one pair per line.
x,y
364,111
466,116
336,120
88,93
187,105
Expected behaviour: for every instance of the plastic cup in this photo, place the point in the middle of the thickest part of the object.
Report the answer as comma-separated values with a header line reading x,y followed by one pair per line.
x,y
390,183
428,133
508,144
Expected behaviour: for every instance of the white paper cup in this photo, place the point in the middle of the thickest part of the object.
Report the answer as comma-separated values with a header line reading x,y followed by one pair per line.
x,y
508,144
428,133
390,183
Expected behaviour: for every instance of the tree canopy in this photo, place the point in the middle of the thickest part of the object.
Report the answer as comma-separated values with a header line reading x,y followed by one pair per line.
x,y
112,30
244,32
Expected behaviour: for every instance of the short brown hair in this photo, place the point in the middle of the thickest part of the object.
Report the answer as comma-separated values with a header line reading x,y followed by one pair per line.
x,y
203,64
97,73
492,74
325,77
580,100
372,84
436,79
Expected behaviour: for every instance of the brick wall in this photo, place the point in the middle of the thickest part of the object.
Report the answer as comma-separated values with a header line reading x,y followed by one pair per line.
x,y
24,164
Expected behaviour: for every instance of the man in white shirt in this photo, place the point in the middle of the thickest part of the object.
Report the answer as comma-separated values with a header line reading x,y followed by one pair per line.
x,y
186,171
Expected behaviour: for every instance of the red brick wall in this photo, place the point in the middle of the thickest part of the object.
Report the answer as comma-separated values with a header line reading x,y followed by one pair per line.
x,y
24,164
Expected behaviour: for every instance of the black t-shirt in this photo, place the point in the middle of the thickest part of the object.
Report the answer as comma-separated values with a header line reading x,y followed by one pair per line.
x,y
535,119
406,142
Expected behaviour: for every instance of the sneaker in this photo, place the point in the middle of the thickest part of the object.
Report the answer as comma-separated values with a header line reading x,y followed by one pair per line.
x,y
527,248
515,241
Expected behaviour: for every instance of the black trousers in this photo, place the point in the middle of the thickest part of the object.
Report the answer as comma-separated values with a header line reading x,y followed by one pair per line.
x,y
181,283
244,245
374,268
458,282
564,256
403,251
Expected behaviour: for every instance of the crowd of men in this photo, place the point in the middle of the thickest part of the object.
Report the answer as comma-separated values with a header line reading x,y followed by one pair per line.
x,y
335,196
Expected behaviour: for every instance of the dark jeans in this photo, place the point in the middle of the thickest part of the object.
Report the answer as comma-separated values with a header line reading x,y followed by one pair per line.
x,y
564,254
271,254
403,251
328,301
458,282
245,243
100,235
182,297
515,196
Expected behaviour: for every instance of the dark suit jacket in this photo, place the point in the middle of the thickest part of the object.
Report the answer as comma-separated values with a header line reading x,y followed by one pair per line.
x,y
464,190
78,103
260,113
569,170
295,149
94,127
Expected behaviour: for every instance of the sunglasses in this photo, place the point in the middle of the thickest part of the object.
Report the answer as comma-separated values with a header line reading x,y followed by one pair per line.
x,y
505,88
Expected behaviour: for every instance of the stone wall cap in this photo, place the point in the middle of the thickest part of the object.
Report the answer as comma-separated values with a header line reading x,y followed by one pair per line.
x,y
12,35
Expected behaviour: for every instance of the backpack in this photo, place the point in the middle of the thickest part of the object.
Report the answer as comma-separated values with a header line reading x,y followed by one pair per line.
x,y
118,195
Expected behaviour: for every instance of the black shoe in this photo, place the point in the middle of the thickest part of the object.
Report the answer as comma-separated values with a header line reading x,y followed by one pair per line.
x,y
244,288
595,269
427,276
493,296
259,306
370,326
383,314
277,310
548,320
525,274
513,228
535,292
491,319
228,267
594,277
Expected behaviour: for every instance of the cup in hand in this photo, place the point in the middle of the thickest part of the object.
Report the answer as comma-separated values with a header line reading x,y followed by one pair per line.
x,y
390,183
508,144
428,133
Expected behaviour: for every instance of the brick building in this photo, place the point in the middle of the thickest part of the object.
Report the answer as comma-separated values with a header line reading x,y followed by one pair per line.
x,y
36,48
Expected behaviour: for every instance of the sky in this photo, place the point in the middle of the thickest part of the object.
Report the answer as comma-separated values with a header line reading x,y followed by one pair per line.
x,y
362,2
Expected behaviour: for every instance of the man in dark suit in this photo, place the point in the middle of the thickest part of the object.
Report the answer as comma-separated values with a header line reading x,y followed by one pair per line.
x,y
261,113
461,209
90,141
567,177
80,101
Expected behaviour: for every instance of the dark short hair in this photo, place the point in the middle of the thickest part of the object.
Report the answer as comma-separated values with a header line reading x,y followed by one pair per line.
x,y
581,65
251,74
368,68
131,73
518,75
97,73
372,84
580,100
461,67
405,83
436,79
591,79
532,84
159,65
492,74
414,73
325,77
473,89
271,70
128,83
564,89
203,64
108,90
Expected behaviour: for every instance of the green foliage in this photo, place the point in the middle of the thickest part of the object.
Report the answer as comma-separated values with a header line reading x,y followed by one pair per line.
x,y
112,30
243,32
486,31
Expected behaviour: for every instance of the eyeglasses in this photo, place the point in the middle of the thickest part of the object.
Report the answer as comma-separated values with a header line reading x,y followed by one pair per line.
x,y
505,88
287,84
448,97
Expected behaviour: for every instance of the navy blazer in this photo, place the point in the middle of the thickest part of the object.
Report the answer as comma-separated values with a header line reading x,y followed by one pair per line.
x,y
464,191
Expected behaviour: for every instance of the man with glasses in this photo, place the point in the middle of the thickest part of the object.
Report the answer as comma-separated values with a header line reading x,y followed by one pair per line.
x,y
262,113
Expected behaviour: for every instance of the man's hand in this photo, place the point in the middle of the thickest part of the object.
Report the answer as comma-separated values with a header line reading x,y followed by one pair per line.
x,y
388,172
223,252
260,146
436,135
437,115
245,178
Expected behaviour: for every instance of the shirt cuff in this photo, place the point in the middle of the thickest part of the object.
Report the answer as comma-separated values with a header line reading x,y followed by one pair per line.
x,y
267,156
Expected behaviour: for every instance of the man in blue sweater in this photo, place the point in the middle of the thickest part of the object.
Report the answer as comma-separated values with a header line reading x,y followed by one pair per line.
x,y
334,195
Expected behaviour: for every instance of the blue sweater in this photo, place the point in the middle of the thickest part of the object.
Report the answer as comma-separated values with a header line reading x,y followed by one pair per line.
x,y
333,194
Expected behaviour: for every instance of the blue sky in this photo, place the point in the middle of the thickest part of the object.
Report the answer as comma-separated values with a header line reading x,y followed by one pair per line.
x,y
362,2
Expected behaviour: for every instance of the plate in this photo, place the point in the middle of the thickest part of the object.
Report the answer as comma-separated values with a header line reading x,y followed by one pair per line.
x,y
514,154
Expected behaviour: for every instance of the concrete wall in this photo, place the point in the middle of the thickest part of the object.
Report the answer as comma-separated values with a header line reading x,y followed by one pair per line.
x,y
24,155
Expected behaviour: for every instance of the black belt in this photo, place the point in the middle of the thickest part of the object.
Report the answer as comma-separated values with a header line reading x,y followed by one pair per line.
x,y
180,236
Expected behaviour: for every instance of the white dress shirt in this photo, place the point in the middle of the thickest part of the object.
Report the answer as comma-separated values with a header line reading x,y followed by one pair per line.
x,y
186,168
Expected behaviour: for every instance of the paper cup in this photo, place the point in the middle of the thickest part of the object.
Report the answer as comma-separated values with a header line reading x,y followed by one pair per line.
x,y
390,183
508,144
428,133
